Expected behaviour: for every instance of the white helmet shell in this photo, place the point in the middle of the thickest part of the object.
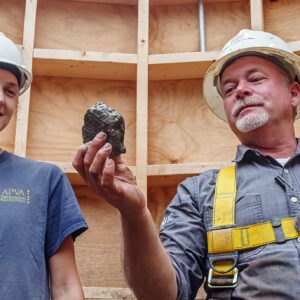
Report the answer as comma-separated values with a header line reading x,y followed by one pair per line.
x,y
10,54
247,41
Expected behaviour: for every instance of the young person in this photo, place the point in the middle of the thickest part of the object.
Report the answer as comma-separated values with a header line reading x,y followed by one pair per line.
x,y
39,214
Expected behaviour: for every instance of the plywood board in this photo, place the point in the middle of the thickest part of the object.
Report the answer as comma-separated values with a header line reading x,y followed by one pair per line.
x,y
12,19
84,69
186,70
223,21
57,109
155,2
180,65
86,26
158,200
177,170
282,19
175,28
182,128
98,250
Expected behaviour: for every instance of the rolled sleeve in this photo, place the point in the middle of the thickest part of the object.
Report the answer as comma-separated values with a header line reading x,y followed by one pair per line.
x,y
184,237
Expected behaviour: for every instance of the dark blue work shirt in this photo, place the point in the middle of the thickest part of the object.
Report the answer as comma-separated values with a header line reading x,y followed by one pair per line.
x,y
265,189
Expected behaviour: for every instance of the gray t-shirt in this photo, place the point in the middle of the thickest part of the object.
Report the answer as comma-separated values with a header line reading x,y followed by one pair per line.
x,y
265,189
38,210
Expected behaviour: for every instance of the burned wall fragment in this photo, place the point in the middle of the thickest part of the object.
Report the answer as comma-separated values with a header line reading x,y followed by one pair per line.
x,y
100,117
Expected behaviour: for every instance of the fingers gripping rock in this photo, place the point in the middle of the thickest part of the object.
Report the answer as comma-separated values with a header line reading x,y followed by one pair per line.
x,y
100,117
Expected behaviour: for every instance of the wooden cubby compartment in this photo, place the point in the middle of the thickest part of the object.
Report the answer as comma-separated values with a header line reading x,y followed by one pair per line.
x,y
142,58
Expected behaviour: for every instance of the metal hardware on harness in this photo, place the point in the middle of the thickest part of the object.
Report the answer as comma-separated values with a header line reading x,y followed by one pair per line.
x,y
278,231
222,282
225,239
221,257
223,279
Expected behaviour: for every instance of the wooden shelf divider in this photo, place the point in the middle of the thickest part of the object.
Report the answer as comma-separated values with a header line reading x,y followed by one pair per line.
x,y
174,66
84,64
257,14
156,2
142,96
24,101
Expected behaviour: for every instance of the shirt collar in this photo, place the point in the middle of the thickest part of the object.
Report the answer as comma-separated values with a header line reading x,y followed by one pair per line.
x,y
242,150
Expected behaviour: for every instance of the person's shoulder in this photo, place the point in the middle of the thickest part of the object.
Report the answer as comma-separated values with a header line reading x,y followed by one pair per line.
x,y
36,164
205,176
196,184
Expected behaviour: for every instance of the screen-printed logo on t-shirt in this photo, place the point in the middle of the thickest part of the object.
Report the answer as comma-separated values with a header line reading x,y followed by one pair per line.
x,y
15,195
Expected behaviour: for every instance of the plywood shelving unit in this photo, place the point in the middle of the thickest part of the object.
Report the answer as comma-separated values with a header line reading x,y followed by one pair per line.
x,y
144,60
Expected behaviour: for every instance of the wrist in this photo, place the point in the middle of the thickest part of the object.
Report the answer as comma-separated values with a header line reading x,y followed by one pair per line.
x,y
137,216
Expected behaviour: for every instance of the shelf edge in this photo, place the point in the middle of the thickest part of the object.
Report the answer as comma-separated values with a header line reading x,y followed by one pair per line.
x,y
160,169
188,168
91,56
175,58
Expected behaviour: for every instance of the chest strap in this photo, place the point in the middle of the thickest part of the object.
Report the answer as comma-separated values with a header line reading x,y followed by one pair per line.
x,y
241,238
224,239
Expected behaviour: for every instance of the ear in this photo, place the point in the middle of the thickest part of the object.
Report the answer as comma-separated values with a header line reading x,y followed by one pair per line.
x,y
295,94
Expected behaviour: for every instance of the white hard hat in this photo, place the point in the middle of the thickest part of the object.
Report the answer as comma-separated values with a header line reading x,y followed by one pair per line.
x,y
248,42
12,60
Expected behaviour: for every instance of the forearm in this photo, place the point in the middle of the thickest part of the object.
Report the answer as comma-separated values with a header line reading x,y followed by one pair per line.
x,y
64,278
147,266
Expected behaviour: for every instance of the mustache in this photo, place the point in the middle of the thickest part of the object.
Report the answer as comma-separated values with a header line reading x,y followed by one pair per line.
x,y
246,101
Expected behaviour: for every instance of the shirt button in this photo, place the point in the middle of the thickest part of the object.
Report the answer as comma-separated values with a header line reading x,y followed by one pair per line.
x,y
286,171
294,199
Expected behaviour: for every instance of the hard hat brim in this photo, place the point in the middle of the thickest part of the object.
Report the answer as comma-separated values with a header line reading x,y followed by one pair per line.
x,y
26,76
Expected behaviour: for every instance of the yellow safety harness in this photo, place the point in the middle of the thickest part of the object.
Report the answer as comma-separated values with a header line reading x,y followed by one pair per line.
x,y
225,239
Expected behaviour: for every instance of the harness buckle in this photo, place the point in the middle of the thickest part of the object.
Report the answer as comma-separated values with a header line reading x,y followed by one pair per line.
x,y
278,231
222,280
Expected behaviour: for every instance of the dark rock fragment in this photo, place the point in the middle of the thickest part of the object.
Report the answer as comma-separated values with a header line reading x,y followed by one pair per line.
x,y
100,117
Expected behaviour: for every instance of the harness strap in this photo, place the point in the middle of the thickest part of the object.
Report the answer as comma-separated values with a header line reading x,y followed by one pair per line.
x,y
224,239
223,274
240,238
224,201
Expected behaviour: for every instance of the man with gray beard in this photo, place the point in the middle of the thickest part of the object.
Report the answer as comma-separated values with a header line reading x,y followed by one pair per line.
x,y
250,122
236,228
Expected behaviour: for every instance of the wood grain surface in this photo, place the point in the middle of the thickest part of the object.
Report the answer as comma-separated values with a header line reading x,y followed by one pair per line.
x,y
175,29
98,249
12,14
86,26
56,114
282,19
182,128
